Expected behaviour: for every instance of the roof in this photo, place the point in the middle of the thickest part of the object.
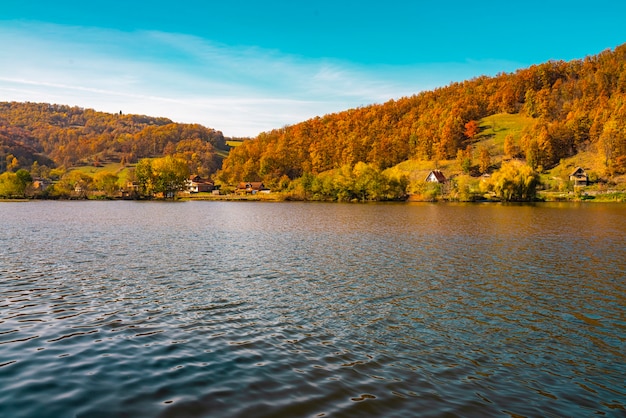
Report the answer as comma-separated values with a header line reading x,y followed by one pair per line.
x,y
198,180
254,185
579,172
438,176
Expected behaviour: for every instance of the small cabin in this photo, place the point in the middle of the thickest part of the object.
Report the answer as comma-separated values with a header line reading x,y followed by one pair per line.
x,y
436,176
579,177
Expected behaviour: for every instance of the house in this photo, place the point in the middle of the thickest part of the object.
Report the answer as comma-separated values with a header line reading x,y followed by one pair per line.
x,y
579,177
40,184
251,187
436,176
195,184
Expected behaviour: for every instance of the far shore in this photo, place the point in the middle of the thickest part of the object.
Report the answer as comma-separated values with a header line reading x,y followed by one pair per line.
x,y
608,197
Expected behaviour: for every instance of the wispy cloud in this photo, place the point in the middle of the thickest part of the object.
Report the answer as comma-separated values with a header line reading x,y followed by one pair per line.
x,y
239,90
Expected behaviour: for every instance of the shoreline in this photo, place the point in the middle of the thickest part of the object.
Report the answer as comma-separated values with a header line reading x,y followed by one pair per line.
x,y
613,197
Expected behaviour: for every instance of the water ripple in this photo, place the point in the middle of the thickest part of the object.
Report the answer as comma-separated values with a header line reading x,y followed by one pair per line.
x,y
120,309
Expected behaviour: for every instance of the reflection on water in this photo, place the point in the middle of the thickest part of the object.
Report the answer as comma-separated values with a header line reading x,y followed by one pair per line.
x,y
288,309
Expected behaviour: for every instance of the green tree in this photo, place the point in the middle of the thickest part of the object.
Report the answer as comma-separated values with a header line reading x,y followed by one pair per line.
x,y
464,158
463,186
533,154
75,184
24,177
144,176
171,175
10,185
15,184
161,176
368,182
106,182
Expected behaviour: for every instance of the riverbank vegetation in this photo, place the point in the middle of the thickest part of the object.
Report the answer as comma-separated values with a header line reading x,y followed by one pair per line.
x,y
514,136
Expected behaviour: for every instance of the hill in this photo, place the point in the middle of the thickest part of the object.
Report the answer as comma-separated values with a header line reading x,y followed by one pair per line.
x,y
61,135
551,112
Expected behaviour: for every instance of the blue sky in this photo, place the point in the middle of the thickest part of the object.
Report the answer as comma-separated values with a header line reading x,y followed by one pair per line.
x,y
244,67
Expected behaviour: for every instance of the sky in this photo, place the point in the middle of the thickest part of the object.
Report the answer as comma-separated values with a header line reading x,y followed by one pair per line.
x,y
245,67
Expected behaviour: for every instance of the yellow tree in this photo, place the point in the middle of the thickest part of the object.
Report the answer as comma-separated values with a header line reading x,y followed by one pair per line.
x,y
511,149
484,159
514,182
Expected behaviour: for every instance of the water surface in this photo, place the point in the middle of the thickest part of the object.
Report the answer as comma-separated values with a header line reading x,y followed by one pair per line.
x,y
239,309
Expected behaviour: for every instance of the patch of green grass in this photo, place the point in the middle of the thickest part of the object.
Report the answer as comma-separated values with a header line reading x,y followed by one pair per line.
x,y
233,143
118,169
589,161
418,170
495,128
221,153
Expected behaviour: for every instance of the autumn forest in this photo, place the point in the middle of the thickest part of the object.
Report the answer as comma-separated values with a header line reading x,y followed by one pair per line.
x,y
569,113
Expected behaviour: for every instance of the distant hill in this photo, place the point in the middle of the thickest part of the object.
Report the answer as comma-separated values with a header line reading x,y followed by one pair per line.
x,y
61,135
556,110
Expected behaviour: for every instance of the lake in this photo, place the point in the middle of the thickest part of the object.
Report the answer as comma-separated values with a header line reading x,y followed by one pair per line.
x,y
252,309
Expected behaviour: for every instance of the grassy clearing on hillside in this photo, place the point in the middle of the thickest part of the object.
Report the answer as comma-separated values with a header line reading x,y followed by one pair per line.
x,y
591,162
495,128
118,169
557,178
221,153
417,171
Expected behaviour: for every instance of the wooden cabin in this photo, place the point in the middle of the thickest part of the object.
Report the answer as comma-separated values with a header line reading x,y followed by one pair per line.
x,y
579,177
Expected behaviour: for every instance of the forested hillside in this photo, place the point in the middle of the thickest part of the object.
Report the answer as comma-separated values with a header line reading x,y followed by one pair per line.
x,y
60,135
574,106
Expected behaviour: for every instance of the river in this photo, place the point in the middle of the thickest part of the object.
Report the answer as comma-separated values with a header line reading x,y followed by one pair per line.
x,y
258,309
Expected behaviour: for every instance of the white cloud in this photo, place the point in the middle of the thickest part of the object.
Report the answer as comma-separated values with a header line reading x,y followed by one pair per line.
x,y
240,91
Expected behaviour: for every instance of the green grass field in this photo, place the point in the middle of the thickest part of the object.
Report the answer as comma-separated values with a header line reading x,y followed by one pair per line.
x,y
494,129
234,143
118,169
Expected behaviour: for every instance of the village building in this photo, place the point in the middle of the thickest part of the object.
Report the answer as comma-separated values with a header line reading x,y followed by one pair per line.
x,y
195,184
436,176
41,184
579,177
251,187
